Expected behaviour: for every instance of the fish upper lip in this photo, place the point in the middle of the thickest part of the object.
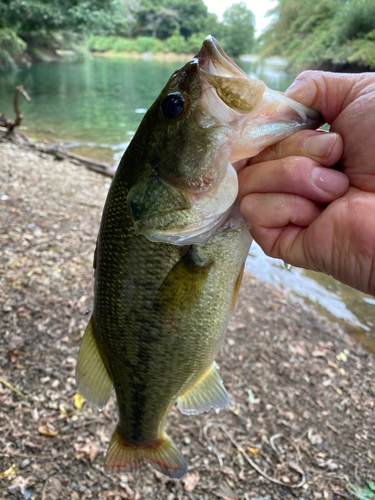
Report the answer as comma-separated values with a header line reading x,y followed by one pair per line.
x,y
212,59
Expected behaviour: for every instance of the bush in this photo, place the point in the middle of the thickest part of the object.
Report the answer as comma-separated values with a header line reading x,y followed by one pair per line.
x,y
124,45
120,44
177,44
11,46
364,51
195,42
147,44
101,43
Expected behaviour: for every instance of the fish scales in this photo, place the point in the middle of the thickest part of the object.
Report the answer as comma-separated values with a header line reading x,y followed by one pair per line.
x,y
170,254
150,352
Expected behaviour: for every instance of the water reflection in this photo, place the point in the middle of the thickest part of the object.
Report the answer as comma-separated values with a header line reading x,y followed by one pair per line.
x,y
352,309
95,106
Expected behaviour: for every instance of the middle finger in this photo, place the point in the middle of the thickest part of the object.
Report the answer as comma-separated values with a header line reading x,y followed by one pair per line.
x,y
294,175
324,147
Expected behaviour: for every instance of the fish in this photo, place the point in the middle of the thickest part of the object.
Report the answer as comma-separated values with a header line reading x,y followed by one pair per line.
x,y
170,254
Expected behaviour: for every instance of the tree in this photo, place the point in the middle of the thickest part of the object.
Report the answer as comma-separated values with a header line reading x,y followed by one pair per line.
x,y
238,29
33,17
193,15
322,34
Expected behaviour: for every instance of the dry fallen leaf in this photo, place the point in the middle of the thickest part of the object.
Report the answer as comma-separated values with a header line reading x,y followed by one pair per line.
x,y
190,481
318,354
47,430
8,472
93,452
342,357
78,401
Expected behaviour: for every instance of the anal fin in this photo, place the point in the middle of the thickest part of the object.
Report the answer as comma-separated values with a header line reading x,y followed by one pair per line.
x,y
162,455
93,380
208,392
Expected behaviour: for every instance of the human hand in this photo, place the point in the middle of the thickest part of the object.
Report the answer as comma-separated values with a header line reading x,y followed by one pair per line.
x,y
304,213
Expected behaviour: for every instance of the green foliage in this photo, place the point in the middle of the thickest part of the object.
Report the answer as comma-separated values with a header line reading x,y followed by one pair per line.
x,y
322,33
213,26
11,46
363,493
106,19
123,44
192,15
194,42
176,43
101,43
31,16
147,44
355,20
48,26
238,29
120,44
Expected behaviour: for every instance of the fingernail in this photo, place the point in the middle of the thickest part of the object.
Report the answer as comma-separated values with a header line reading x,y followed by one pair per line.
x,y
320,144
329,181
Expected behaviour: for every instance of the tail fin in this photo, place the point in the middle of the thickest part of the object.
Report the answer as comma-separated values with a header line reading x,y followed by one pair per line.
x,y
163,456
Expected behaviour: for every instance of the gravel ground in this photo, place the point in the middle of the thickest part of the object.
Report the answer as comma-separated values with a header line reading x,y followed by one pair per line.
x,y
302,392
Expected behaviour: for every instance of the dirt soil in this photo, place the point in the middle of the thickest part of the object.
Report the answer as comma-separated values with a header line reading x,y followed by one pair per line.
x,y
302,392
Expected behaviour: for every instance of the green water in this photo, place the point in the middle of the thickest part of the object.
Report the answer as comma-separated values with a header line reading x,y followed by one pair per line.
x,y
94,107
97,104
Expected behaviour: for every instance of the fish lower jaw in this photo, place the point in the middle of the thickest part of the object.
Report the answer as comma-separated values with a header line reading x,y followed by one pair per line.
x,y
196,234
208,211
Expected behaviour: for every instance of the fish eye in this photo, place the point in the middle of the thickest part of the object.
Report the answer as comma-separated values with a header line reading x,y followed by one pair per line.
x,y
172,106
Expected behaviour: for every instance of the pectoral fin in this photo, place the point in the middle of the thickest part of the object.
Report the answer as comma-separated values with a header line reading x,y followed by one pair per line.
x,y
208,392
93,380
237,288
183,285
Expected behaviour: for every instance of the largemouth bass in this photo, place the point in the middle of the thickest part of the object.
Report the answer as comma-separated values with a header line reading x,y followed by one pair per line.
x,y
170,254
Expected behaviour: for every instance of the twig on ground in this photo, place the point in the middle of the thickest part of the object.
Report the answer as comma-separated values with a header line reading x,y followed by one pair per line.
x,y
10,386
249,460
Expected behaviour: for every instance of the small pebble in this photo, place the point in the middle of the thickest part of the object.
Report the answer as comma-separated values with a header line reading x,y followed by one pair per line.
x,y
54,489
25,463
332,466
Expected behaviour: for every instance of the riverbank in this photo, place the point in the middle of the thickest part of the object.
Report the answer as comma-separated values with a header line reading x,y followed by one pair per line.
x,y
287,370
146,56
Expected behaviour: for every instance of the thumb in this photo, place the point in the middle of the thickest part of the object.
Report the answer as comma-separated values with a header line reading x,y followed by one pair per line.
x,y
328,93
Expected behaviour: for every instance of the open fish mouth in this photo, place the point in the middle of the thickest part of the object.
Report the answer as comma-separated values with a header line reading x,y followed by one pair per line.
x,y
193,223
212,59
234,117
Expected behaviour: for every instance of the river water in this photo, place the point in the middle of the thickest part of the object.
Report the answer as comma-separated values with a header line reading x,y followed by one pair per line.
x,y
93,107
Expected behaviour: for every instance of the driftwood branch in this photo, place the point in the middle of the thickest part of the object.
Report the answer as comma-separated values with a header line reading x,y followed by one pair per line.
x,y
8,132
11,124
96,166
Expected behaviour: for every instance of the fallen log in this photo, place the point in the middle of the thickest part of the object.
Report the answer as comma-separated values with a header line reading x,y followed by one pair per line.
x,y
100,167
8,132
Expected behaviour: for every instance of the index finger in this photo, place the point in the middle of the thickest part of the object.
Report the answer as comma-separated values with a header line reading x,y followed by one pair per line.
x,y
328,93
